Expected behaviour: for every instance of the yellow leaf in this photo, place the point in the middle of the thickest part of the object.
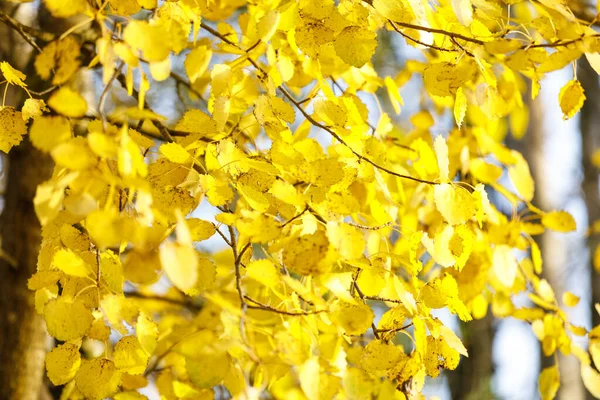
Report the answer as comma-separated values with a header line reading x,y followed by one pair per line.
x,y
355,319
207,371
200,229
124,7
60,57
455,203
348,240
197,121
160,70
74,154
569,299
306,254
62,363
174,152
464,11
265,272
521,177
70,263
441,152
68,102
591,380
380,356
66,8
505,265
197,62
180,263
111,271
13,76
33,108
394,94
396,10
130,159
571,98
12,128
310,378
218,192
560,221
152,40
460,104
98,379
442,79
452,340
146,332
129,356
549,382
67,319
355,45
207,273
484,172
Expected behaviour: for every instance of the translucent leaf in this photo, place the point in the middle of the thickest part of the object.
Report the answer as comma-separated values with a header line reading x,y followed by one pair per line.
x,y
152,40
455,203
355,319
521,177
197,61
505,265
560,221
464,11
441,152
147,333
355,45
207,371
68,102
571,98
180,263
12,75
549,382
569,299
174,152
591,380
129,356
460,104
70,263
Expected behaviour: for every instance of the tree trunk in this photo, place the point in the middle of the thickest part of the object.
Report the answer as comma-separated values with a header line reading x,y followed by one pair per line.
x,y
553,247
590,123
472,379
22,331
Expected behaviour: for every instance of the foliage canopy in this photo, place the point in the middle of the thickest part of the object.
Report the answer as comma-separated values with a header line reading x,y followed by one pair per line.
x,y
327,213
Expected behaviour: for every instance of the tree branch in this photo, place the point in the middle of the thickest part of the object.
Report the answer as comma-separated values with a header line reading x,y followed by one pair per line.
x,y
26,32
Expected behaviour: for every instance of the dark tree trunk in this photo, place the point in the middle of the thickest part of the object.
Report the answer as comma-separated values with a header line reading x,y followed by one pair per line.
x,y
22,330
472,379
590,126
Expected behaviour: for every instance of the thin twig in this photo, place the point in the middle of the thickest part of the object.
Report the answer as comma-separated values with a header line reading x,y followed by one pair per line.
x,y
105,93
339,139
164,131
354,287
164,299
370,228
265,307
308,116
